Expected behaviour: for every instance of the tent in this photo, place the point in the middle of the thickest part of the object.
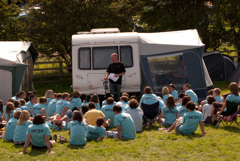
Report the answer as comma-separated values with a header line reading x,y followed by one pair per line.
x,y
235,77
174,57
220,66
16,67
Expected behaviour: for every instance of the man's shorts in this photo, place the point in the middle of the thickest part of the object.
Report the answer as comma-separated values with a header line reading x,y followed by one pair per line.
x,y
113,134
179,122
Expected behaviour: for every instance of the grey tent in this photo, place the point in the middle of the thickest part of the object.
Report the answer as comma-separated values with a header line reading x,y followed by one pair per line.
x,y
235,77
220,66
16,67
174,57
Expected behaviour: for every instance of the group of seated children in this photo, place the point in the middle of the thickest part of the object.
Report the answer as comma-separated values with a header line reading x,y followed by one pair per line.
x,y
30,122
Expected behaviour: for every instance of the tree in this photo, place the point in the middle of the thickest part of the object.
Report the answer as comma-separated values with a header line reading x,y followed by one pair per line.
x,y
166,15
9,24
227,21
52,25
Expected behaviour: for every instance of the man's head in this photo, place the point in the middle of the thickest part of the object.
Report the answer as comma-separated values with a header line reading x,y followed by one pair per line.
x,y
114,57
171,87
186,87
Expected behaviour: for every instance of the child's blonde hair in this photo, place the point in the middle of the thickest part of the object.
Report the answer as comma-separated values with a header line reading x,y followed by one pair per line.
x,y
49,93
23,117
165,91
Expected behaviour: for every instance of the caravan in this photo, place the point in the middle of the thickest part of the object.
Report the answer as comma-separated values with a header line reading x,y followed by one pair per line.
x,y
154,59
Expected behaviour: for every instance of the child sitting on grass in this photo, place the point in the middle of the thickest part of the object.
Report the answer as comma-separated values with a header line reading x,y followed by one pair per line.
x,y
136,114
37,107
10,110
206,109
17,105
20,135
182,109
97,132
180,97
124,123
60,123
189,122
23,105
77,130
170,112
11,125
165,94
108,111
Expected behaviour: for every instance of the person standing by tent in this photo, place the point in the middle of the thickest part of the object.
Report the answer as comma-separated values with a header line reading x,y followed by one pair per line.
x,y
118,70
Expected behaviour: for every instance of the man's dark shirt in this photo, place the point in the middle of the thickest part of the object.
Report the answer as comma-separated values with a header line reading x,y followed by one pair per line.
x,y
116,68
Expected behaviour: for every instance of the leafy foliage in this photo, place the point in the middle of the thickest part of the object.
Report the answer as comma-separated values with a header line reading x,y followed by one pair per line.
x,y
8,21
52,25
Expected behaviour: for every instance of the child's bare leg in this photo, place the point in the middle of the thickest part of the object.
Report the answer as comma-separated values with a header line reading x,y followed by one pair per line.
x,y
172,126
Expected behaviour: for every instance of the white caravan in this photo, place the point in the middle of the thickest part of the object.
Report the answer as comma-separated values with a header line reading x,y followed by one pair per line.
x,y
91,55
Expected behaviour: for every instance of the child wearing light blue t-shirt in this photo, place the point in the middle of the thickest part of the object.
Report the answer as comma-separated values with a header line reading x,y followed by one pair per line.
x,y
123,102
63,105
11,125
124,123
60,123
77,130
96,132
165,94
95,100
76,100
189,122
38,134
173,92
49,95
108,111
10,110
182,109
187,89
216,95
37,107
20,135
169,113
30,104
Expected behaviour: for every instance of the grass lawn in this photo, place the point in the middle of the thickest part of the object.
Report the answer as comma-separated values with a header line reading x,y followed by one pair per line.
x,y
219,144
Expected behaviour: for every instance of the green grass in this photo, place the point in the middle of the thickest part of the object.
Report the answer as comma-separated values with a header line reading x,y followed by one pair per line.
x,y
219,144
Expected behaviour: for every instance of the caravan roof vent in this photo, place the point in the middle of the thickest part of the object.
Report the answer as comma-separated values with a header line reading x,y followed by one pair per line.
x,y
83,32
105,31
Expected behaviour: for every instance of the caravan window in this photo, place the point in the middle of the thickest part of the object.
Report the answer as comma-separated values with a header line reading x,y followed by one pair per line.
x,y
84,58
126,56
102,56
166,70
